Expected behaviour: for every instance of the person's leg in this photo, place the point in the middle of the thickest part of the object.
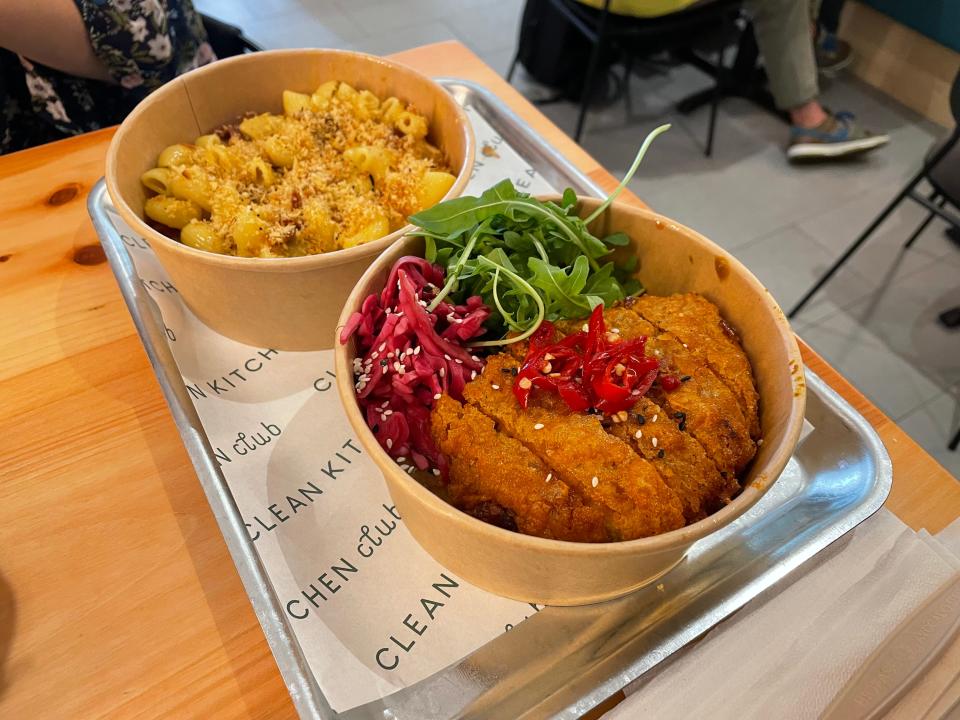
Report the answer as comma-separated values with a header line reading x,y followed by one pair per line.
x,y
832,53
829,15
782,28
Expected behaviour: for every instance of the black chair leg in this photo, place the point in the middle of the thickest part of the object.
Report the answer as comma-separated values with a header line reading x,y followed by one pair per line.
x,y
587,93
857,243
714,104
923,226
513,65
627,74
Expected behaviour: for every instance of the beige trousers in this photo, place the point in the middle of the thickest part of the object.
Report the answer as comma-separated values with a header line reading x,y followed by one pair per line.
x,y
783,35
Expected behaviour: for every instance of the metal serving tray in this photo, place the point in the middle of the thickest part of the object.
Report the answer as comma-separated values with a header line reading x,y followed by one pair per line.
x,y
562,661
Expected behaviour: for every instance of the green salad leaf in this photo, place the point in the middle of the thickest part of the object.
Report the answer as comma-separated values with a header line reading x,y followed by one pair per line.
x,y
529,260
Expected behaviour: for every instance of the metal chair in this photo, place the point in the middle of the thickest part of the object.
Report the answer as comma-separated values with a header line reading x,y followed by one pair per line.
x,y
941,170
703,27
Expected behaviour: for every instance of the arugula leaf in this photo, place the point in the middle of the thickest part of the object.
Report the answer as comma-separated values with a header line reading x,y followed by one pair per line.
x,y
620,239
529,260
561,290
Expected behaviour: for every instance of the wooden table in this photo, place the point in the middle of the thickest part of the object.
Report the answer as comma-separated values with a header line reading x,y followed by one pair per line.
x,y
117,595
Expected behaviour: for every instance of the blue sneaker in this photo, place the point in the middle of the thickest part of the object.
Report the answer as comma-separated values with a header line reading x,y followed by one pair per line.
x,y
838,136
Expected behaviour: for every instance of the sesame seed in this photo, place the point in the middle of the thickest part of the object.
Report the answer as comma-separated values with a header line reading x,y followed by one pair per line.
x,y
585,328
684,344
409,351
446,357
401,459
437,396
538,426
547,368
416,350
638,434
436,471
385,403
388,412
458,361
473,374
549,475
654,441
494,386
549,356
525,383
595,481
383,346
441,372
389,443
654,418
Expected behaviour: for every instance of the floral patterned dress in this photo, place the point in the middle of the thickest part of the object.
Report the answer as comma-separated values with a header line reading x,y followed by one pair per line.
x,y
143,43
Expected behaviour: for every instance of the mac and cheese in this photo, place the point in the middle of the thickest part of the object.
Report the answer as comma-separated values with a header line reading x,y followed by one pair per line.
x,y
337,169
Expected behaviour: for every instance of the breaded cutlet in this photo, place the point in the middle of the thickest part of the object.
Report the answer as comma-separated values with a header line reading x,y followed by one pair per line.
x,y
681,461
697,323
497,479
635,500
713,415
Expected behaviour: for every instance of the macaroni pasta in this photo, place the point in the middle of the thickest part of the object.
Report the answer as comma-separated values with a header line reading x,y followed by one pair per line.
x,y
339,168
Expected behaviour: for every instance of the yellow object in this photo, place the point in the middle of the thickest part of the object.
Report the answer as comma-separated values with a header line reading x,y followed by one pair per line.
x,y
171,212
294,102
200,234
435,185
175,155
371,231
642,8
337,169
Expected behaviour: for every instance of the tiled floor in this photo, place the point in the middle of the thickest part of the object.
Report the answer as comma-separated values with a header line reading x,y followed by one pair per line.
x,y
876,322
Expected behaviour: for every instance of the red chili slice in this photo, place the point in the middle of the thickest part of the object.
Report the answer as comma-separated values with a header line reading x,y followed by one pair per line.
x,y
587,369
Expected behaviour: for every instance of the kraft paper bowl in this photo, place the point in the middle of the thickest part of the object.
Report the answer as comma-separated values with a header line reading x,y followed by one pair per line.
x,y
283,303
673,259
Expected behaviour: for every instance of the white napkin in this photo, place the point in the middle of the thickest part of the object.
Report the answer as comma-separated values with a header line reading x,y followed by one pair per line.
x,y
789,651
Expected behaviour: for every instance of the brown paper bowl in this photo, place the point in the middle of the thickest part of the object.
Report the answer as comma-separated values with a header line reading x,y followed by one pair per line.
x,y
283,303
672,259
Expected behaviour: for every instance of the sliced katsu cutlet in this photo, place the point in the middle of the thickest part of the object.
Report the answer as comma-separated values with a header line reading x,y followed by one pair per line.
x,y
711,411
496,479
697,323
679,458
635,501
